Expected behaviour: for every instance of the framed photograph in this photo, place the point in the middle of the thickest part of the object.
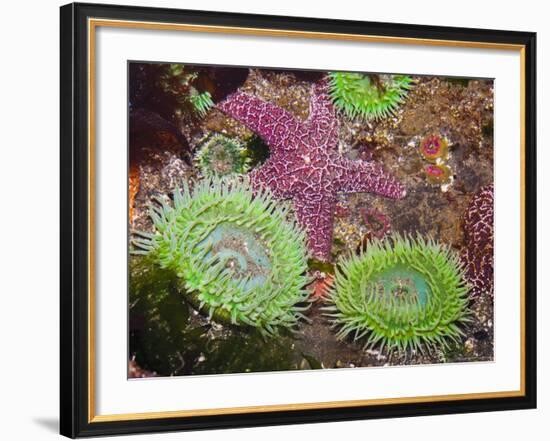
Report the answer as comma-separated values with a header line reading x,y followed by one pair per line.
x,y
271,220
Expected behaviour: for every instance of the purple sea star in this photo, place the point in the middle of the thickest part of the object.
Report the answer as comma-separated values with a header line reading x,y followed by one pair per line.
x,y
477,254
304,163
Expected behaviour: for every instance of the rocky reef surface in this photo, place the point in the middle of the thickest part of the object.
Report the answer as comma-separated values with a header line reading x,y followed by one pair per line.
x,y
169,337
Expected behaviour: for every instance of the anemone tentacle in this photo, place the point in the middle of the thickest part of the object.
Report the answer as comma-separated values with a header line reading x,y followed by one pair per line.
x,y
239,257
367,97
401,293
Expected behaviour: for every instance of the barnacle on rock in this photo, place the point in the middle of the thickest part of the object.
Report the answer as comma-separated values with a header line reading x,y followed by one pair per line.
x,y
238,256
370,96
219,155
401,293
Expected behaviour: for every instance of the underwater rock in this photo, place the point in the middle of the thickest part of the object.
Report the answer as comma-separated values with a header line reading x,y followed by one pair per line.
x,y
303,75
461,112
158,315
378,223
157,161
181,82
400,293
477,255
144,121
134,371
305,164
133,188
226,80
236,253
170,89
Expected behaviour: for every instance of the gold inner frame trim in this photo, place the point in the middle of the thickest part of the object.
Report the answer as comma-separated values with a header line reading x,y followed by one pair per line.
x,y
92,25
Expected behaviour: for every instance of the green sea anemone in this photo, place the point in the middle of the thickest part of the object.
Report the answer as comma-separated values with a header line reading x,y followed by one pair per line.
x,y
239,257
371,96
180,81
201,101
401,293
218,155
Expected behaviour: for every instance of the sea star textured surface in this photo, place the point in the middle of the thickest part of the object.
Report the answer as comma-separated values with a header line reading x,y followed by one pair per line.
x,y
478,252
304,163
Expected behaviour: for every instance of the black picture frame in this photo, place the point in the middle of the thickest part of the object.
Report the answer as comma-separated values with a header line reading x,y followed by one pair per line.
x,y
76,419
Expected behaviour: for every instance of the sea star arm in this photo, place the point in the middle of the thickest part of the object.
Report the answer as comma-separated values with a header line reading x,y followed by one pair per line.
x,y
322,118
320,104
316,215
272,175
271,122
366,176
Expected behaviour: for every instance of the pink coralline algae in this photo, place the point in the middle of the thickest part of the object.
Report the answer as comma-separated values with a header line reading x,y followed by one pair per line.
x,y
477,255
304,163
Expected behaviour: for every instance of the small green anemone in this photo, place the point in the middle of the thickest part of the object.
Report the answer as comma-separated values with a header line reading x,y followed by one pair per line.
x,y
400,293
180,82
239,257
201,101
370,96
219,155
